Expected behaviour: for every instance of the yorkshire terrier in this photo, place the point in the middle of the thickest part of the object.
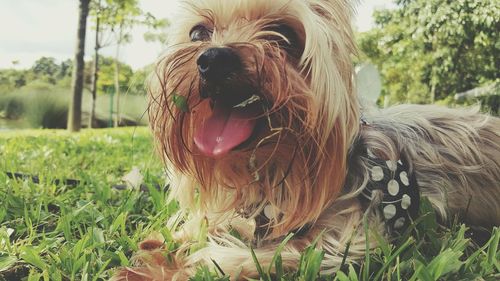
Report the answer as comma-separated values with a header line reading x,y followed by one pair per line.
x,y
256,117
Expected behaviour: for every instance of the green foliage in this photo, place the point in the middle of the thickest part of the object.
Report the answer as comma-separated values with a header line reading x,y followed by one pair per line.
x,y
106,82
39,95
116,19
492,103
11,106
11,79
429,50
43,105
46,68
156,29
45,72
47,110
138,82
180,102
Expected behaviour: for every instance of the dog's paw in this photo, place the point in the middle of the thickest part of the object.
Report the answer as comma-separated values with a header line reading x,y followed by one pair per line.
x,y
149,273
153,263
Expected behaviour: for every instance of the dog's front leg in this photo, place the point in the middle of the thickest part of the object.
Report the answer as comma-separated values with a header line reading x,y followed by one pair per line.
x,y
235,259
220,250
338,233
156,264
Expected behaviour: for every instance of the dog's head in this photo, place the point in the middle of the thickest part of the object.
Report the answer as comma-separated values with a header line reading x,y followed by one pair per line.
x,y
255,97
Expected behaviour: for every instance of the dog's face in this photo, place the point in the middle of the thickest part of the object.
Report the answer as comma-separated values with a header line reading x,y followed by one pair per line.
x,y
256,96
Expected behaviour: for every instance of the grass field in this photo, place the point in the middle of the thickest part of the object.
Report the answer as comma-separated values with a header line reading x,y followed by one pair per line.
x,y
83,232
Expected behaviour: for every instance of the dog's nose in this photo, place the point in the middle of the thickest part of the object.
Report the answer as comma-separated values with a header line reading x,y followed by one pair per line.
x,y
216,64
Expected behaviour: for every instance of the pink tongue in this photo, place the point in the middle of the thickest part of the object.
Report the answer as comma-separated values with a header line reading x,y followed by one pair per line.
x,y
225,129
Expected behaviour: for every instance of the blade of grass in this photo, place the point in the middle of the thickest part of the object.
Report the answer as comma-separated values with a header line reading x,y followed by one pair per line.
x,y
257,264
396,254
278,251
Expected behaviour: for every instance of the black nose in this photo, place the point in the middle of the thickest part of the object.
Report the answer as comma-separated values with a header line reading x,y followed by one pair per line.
x,y
216,64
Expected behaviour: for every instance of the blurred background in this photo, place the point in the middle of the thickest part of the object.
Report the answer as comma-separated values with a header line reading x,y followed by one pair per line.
x,y
417,51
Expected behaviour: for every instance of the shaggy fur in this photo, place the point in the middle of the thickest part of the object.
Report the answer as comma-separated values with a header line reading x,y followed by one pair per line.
x,y
308,159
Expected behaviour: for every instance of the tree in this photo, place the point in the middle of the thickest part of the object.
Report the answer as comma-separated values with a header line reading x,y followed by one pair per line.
x,y
156,29
139,78
64,74
100,11
65,69
96,7
121,16
11,79
75,108
429,50
113,21
46,68
106,83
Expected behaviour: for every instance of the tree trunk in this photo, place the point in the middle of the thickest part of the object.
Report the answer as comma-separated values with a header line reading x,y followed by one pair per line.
x,y
117,87
92,120
117,75
75,108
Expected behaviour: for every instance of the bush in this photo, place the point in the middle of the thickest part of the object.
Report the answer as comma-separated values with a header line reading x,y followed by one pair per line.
x,y
491,104
41,104
11,106
46,110
44,105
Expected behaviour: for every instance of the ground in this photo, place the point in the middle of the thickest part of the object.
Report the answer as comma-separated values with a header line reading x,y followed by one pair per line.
x,y
49,231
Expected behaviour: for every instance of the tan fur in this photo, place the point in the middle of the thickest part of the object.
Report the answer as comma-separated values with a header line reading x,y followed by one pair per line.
x,y
305,165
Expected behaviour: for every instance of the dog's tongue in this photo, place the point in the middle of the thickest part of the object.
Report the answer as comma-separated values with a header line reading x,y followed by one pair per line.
x,y
227,128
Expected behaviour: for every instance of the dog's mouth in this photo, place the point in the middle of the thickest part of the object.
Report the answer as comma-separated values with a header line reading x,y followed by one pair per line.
x,y
231,123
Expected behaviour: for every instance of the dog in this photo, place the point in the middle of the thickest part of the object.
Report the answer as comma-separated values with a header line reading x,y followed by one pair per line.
x,y
254,112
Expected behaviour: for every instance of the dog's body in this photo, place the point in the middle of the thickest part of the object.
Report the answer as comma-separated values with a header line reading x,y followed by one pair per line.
x,y
256,118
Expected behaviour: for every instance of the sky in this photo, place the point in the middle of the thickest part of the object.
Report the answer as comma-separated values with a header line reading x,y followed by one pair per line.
x,y
30,29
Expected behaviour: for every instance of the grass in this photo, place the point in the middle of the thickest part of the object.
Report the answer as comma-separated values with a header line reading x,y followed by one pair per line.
x,y
50,232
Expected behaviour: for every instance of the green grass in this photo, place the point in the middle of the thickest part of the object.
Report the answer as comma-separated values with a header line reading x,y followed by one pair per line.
x,y
50,232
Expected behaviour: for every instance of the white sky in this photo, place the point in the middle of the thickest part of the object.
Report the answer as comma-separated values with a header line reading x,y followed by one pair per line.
x,y
30,29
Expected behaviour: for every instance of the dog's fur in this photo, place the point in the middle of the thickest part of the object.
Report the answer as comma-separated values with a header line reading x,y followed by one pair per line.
x,y
308,159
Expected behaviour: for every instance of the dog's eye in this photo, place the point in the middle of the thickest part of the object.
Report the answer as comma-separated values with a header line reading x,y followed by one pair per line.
x,y
200,33
287,39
